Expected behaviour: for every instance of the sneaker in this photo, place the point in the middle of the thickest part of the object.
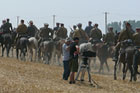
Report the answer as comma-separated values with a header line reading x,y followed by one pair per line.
x,y
70,82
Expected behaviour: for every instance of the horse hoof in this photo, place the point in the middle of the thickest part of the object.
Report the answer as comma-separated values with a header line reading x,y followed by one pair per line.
x,y
135,78
115,78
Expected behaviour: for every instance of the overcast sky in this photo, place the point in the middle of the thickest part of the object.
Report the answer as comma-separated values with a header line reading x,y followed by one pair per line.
x,y
69,12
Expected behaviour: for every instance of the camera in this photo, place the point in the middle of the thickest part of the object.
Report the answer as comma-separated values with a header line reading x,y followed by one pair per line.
x,y
89,54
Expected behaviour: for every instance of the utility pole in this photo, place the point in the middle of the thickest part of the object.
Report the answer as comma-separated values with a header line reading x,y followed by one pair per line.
x,y
54,20
106,13
17,20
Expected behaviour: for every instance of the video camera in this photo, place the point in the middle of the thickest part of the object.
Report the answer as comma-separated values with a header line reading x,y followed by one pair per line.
x,y
89,54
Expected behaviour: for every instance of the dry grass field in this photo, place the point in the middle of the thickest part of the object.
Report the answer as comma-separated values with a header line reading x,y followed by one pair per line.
x,y
33,77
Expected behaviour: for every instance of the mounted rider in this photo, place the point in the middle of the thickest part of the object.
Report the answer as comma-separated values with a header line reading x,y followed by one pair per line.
x,y
125,34
96,34
61,33
136,39
31,29
81,34
6,26
110,36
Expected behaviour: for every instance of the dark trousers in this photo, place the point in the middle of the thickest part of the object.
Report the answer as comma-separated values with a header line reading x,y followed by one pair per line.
x,y
66,70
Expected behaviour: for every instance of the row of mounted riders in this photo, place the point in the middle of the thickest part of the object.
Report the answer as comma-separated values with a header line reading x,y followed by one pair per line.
x,y
10,40
129,56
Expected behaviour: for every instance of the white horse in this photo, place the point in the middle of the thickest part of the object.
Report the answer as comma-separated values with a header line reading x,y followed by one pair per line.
x,y
33,44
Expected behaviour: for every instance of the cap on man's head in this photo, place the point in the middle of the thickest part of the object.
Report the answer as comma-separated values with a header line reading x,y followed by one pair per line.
x,y
31,22
96,24
46,24
89,22
68,39
62,24
22,21
8,19
128,24
79,24
75,38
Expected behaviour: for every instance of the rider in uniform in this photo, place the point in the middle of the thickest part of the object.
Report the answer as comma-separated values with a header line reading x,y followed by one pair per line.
x,y
81,34
96,34
62,32
125,34
136,39
31,29
110,36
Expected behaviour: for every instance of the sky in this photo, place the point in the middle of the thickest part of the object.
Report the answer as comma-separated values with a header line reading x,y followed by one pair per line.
x,y
69,12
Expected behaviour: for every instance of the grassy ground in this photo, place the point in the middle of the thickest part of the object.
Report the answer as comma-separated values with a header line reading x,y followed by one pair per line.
x,y
32,77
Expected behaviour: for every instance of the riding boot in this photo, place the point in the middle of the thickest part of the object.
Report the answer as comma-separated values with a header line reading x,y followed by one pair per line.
x,y
116,54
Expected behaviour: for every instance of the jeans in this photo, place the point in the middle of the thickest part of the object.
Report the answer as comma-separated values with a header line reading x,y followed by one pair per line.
x,y
66,70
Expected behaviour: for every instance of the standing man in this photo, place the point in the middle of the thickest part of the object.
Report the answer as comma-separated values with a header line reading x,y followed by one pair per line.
x,y
32,29
81,34
74,51
66,56
62,32
96,34
88,28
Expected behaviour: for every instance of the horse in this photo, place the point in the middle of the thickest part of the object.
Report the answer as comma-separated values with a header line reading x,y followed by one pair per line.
x,y
33,44
102,52
126,58
6,42
46,50
22,44
58,49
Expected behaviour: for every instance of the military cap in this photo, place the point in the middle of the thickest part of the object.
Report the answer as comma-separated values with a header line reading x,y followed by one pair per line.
x,y
79,24
68,39
46,24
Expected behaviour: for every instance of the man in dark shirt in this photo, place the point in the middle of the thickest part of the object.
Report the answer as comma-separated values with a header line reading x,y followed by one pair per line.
x,y
32,29
74,59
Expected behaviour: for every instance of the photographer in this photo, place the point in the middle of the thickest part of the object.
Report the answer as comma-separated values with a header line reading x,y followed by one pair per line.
x,y
66,55
73,59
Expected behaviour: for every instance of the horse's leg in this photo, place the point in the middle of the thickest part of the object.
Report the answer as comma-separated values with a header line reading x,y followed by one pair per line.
x,y
131,71
17,52
12,50
115,69
125,68
3,48
94,63
101,65
35,54
31,55
8,46
107,66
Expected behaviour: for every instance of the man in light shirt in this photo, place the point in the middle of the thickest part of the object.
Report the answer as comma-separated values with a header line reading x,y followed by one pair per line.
x,y
66,56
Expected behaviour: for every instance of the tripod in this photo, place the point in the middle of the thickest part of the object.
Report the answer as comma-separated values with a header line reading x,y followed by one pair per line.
x,y
85,65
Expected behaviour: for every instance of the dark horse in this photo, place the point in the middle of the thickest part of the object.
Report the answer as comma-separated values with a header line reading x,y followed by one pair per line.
x,y
6,42
126,58
22,43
